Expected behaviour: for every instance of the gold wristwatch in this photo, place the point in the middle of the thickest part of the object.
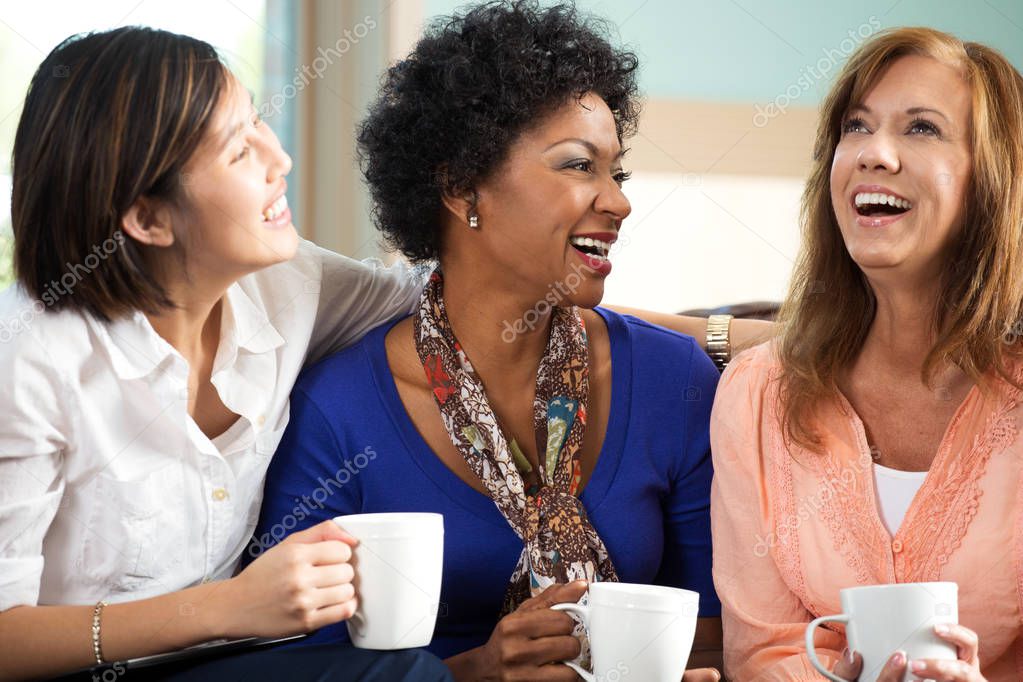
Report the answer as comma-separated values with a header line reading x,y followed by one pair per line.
x,y
719,346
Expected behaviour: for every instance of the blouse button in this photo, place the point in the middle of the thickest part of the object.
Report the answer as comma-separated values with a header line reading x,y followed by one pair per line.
x,y
897,546
219,494
261,420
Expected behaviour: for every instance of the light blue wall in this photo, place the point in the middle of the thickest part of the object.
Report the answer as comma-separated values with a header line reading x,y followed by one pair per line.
x,y
749,51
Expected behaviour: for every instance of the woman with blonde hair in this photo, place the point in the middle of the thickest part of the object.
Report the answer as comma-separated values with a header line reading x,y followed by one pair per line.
x,y
875,440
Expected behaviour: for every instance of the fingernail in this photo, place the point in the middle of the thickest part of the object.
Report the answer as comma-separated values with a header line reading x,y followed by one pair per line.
x,y
917,666
899,658
847,655
942,629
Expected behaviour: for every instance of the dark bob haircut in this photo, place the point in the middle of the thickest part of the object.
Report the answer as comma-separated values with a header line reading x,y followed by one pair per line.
x,y
446,116
110,117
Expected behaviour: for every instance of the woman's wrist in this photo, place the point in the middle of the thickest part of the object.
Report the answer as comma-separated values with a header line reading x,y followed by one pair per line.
x,y
215,606
746,333
467,666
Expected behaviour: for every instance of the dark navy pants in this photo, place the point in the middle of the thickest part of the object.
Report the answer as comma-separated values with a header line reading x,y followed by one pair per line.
x,y
314,663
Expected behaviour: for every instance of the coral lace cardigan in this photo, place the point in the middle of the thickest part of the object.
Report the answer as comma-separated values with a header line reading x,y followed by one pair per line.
x,y
791,528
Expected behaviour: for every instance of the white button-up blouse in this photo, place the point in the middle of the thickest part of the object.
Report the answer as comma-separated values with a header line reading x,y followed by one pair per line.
x,y
108,489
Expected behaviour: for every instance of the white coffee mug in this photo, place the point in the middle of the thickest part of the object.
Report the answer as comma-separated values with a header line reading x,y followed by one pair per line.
x,y
637,632
398,566
882,619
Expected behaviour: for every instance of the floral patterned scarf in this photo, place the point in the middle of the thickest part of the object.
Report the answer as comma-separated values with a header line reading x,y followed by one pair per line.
x,y
541,504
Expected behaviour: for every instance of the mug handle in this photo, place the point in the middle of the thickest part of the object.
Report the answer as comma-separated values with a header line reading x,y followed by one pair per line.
x,y
584,613
812,653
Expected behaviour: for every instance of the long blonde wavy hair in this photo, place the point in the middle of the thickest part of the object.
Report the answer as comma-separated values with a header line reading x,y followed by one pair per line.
x,y
830,305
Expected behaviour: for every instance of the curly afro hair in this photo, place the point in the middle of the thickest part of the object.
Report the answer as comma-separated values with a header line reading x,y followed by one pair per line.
x,y
446,116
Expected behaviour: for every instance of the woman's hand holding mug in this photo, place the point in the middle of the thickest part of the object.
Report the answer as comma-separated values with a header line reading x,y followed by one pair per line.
x,y
529,643
299,585
921,620
965,669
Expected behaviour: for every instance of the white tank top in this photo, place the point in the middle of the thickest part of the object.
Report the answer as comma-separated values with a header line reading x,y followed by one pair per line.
x,y
895,492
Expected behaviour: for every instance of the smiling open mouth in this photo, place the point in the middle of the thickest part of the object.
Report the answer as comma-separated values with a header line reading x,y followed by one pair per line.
x,y
879,205
276,209
591,247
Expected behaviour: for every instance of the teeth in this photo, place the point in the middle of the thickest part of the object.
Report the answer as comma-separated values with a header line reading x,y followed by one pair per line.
x,y
868,198
605,247
276,208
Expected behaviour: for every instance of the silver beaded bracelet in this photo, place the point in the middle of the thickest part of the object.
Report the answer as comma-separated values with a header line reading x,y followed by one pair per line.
x,y
96,612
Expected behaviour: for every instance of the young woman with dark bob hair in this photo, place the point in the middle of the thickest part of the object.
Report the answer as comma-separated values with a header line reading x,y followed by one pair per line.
x,y
163,309
576,446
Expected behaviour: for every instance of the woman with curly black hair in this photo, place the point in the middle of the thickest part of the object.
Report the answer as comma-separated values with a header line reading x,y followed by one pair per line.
x,y
562,442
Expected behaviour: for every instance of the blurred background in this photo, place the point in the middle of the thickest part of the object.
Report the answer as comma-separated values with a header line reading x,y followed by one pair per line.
x,y
730,86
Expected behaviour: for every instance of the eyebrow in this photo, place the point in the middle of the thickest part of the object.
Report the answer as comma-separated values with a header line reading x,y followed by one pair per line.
x,y
585,143
912,111
233,131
